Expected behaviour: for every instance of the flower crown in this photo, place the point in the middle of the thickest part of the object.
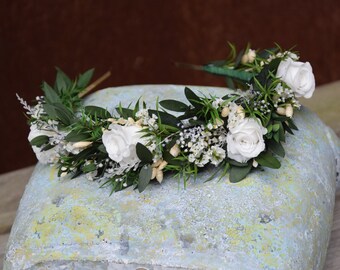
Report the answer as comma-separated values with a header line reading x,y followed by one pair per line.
x,y
236,133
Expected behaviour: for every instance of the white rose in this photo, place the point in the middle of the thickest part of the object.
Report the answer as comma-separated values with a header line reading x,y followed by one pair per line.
x,y
45,157
298,76
120,143
245,140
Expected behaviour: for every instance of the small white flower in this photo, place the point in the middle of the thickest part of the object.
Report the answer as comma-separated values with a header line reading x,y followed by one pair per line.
x,y
245,141
298,76
217,154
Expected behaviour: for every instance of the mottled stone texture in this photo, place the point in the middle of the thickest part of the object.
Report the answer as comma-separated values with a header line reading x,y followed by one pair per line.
x,y
274,219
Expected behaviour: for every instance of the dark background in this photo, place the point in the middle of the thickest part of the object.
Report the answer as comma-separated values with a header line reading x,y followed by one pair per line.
x,y
139,41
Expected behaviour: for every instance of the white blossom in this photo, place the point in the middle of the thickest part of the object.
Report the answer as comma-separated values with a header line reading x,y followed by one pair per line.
x,y
245,140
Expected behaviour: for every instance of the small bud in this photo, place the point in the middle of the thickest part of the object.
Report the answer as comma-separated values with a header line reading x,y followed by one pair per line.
x,y
255,163
244,59
219,122
121,121
240,112
130,121
157,163
251,56
225,112
248,57
175,150
289,111
139,122
63,174
112,120
162,165
154,173
81,144
281,111
159,176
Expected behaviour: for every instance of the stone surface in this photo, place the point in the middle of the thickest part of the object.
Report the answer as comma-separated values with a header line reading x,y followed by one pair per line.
x,y
274,219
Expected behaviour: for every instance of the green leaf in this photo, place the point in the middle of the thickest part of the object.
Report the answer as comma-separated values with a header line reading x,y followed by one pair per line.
x,y
165,118
125,112
97,111
144,177
50,94
239,173
226,71
292,124
89,168
192,98
171,159
267,160
85,78
63,114
50,110
276,148
174,105
102,148
75,136
47,147
238,164
267,52
63,78
276,127
143,153
39,140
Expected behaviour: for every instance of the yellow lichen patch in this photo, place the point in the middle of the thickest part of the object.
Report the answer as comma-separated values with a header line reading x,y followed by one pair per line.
x,y
53,173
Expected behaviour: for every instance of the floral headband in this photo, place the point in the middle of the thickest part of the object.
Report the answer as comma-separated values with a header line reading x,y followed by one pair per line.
x,y
237,133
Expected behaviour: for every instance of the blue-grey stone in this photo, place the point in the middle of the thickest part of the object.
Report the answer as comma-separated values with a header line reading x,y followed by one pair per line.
x,y
274,219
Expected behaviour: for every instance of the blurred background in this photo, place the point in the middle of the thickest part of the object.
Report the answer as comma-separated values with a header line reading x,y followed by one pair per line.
x,y
139,41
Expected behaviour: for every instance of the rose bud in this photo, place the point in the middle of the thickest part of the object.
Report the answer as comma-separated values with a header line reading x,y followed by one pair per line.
x,y
81,144
289,111
281,111
225,112
175,150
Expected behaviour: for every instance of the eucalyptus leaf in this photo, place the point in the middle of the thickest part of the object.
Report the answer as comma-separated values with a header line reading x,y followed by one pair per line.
x,y
276,127
144,177
64,114
75,136
47,147
174,105
238,164
39,140
50,110
192,98
165,118
97,112
267,160
239,173
102,148
276,148
125,112
143,153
